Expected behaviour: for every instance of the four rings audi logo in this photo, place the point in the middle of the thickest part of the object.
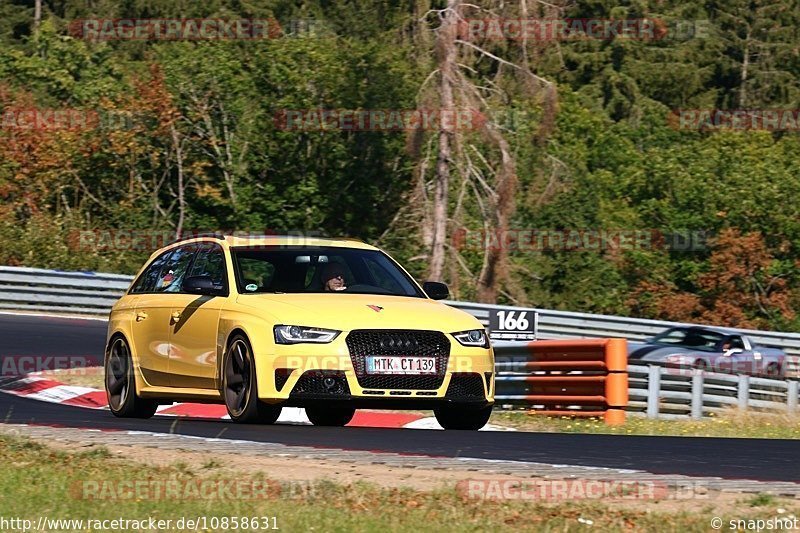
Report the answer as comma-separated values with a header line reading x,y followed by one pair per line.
x,y
398,342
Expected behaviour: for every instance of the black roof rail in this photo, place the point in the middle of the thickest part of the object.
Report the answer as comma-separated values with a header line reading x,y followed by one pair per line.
x,y
221,237
217,236
255,235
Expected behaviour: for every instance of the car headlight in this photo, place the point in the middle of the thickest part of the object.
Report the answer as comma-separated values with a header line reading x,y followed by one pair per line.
x,y
472,337
298,334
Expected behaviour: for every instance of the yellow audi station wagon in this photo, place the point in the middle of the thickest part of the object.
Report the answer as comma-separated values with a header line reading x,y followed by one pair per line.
x,y
330,325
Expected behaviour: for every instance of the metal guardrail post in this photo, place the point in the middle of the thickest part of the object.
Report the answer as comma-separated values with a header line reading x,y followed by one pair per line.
x,y
791,396
653,390
697,394
743,392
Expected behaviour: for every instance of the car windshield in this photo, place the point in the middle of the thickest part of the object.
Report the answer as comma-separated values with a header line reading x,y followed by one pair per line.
x,y
694,338
301,269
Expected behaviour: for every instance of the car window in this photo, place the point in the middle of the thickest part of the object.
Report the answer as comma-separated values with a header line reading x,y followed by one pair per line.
x,y
210,261
298,269
733,342
174,270
147,281
381,276
694,338
671,336
256,274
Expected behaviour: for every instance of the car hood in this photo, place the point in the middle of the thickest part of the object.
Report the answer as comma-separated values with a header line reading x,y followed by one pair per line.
x,y
347,312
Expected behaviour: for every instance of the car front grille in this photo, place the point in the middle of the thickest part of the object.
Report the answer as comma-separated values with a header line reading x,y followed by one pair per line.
x,y
398,342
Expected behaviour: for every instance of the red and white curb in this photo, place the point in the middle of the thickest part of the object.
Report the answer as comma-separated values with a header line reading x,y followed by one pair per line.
x,y
47,390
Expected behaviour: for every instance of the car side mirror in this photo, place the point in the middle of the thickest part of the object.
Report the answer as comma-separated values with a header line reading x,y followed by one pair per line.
x,y
436,290
203,285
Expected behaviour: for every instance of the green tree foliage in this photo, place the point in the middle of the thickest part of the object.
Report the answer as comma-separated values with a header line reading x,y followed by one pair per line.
x,y
191,142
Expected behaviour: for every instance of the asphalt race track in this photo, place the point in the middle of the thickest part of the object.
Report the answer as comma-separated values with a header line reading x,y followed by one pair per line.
x,y
764,460
25,335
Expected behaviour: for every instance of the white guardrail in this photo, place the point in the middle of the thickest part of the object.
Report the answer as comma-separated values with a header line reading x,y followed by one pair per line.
x,y
37,289
657,391
679,392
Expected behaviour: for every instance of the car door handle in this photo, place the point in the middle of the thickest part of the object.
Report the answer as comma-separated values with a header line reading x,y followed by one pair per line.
x,y
176,315
140,315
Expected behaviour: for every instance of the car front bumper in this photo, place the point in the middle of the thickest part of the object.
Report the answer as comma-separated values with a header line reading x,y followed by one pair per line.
x,y
307,374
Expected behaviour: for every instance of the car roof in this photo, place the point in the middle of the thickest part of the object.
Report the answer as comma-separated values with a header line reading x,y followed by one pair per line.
x,y
245,240
723,331
295,240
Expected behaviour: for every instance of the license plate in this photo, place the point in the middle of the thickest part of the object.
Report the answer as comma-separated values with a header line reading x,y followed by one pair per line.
x,y
401,365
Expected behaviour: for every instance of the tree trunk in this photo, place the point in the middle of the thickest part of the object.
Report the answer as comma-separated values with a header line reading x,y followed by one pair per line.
x,y
446,54
37,16
495,265
745,73
181,198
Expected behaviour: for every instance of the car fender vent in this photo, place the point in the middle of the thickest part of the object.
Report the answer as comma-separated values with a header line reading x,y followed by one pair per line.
x,y
282,375
328,383
465,385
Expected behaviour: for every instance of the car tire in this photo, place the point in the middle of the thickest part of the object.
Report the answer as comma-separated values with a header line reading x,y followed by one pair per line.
x,y
240,386
120,383
457,417
330,416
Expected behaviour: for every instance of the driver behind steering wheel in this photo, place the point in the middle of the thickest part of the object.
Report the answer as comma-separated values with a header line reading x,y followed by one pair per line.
x,y
333,278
